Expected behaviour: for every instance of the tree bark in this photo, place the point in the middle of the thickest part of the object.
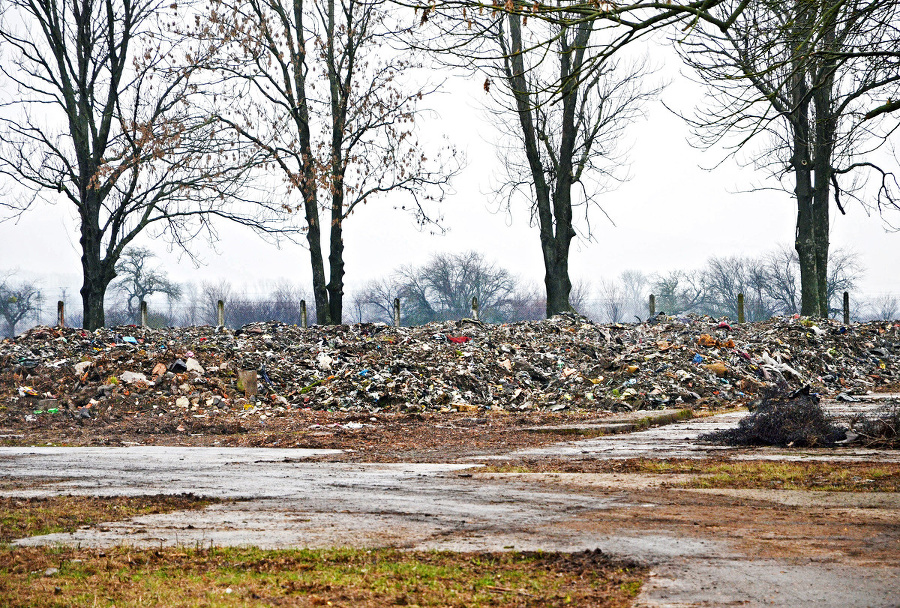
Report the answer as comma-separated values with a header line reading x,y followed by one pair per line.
x,y
336,262
317,262
97,272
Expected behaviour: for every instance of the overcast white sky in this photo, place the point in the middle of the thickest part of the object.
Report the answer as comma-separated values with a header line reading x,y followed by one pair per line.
x,y
672,214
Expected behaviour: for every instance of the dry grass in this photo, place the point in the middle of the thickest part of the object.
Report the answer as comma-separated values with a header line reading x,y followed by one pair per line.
x,y
20,517
340,577
715,473
785,475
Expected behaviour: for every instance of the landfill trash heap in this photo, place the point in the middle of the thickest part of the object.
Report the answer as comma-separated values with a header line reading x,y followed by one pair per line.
x,y
563,363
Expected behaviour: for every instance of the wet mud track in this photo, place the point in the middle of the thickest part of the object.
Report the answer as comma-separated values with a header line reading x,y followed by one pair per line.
x,y
706,547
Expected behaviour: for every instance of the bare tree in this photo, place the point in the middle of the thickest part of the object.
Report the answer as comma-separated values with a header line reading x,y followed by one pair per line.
x,y
377,298
18,301
884,307
782,269
635,288
106,117
448,282
779,77
528,303
782,279
565,151
580,295
191,309
444,287
678,292
612,301
317,89
844,270
725,278
210,295
137,281
561,107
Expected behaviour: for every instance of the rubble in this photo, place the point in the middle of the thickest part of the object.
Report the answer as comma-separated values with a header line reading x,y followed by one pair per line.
x,y
561,364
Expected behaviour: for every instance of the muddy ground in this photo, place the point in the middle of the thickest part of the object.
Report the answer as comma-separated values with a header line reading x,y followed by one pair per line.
x,y
748,546
382,437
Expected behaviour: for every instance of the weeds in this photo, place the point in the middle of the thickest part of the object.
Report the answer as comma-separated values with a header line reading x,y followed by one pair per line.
x,y
880,430
32,516
339,577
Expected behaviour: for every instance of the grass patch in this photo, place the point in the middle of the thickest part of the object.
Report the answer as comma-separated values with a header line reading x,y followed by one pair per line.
x,y
20,517
335,577
715,473
784,475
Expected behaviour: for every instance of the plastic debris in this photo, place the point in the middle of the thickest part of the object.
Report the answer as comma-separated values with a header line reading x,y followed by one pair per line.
x,y
566,362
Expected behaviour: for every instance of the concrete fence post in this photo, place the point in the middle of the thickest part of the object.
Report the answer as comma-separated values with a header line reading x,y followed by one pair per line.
x,y
303,322
740,308
846,308
61,313
143,313
247,380
652,305
220,306
396,312
475,307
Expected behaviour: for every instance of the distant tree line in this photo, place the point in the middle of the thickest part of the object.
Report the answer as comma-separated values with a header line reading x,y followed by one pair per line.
x,y
442,289
769,283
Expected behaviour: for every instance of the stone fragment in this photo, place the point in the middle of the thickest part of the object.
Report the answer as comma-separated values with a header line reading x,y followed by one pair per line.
x,y
132,377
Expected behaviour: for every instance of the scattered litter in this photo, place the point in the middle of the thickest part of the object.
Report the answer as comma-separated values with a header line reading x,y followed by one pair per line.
x,y
563,363
129,377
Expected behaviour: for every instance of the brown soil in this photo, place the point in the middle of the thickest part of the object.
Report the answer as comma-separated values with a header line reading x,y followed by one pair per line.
x,y
382,438
30,516
725,472
758,527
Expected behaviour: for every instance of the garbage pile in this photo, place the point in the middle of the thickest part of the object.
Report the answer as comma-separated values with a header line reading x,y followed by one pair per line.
x,y
563,363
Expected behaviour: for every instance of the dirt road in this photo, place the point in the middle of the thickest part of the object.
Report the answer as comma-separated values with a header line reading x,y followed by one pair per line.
x,y
706,547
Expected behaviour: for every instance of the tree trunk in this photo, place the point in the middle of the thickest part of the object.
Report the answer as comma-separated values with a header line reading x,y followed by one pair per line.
x,y
97,272
557,283
805,244
825,129
314,239
336,262
820,220
801,161
339,92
